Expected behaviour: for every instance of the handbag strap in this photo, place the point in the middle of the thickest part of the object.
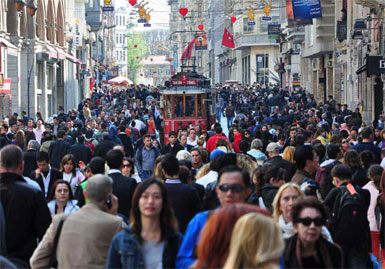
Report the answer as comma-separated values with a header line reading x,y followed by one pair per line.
x,y
53,260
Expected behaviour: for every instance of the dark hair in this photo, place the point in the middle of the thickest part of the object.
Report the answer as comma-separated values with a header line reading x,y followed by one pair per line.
x,y
333,151
66,158
61,134
167,218
81,139
342,171
122,128
352,159
42,156
51,194
320,150
375,172
366,133
97,165
170,165
132,163
11,157
274,172
367,158
307,202
146,136
184,174
172,133
89,134
114,158
218,130
235,169
302,154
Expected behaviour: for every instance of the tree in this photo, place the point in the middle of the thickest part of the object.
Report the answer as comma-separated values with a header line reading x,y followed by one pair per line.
x,y
136,51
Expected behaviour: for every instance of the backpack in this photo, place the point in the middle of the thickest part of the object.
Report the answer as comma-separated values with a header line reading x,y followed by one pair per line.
x,y
90,145
348,220
324,179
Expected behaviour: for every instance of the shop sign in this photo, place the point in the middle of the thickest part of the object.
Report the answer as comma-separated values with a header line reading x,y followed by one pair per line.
x,y
6,87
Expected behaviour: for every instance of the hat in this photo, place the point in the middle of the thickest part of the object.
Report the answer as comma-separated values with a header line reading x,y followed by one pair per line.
x,y
216,153
271,147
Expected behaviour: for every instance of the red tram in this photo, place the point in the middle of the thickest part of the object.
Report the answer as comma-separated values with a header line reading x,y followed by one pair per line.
x,y
187,99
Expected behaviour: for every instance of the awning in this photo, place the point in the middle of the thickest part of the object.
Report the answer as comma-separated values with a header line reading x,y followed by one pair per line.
x,y
61,54
51,51
11,49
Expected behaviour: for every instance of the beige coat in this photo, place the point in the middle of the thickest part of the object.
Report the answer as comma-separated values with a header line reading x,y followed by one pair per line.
x,y
84,241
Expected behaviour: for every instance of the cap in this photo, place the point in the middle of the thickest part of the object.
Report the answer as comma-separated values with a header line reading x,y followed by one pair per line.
x,y
271,147
216,153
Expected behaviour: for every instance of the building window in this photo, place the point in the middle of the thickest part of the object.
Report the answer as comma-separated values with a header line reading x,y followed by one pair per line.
x,y
117,20
262,70
247,29
199,59
40,76
124,20
246,69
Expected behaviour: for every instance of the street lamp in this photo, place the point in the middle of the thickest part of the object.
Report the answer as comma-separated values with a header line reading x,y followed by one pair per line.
x,y
31,8
19,5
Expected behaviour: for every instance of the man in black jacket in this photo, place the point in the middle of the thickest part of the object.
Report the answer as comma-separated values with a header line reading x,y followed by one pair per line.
x,y
80,151
45,175
58,149
172,147
273,152
26,214
30,157
123,187
126,141
184,199
103,147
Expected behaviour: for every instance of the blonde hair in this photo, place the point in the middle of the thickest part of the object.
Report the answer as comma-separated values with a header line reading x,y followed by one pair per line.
x,y
204,170
246,163
256,242
288,154
276,209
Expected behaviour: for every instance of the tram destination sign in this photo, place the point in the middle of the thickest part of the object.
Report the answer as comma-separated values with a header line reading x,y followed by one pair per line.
x,y
182,82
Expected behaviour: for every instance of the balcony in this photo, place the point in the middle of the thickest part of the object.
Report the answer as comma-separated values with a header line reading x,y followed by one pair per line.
x,y
246,41
341,30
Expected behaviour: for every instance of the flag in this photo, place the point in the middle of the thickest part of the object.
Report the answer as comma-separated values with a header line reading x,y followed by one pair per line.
x,y
188,51
228,40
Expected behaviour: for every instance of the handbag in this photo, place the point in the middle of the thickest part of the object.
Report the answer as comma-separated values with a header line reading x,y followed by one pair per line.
x,y
53,260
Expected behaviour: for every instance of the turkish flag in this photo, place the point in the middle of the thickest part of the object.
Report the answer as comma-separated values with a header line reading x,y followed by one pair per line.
x,y
188,51
228,39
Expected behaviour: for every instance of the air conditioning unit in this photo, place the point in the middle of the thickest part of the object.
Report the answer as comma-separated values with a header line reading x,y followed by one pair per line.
x,y
315,64
329,63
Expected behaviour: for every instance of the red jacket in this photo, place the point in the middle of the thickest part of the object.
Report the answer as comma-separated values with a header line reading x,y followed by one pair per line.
x,y
210,145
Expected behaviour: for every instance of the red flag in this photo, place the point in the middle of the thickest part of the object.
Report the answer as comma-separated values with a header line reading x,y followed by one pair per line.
x,y
188,51
228,40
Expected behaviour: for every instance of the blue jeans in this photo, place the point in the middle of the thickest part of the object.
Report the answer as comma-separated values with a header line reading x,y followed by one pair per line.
x,y
145,175
230,122
219,114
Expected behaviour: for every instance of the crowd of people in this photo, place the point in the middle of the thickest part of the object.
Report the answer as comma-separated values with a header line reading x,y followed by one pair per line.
x,y
293,184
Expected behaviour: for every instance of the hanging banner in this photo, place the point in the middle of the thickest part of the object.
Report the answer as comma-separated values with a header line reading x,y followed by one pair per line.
x,y
306,9
274,31
290,16
201,41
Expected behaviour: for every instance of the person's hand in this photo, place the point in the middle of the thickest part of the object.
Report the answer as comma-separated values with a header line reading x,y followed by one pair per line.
x,y
82,165
37,172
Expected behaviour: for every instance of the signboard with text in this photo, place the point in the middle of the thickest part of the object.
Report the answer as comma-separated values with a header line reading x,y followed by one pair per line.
x,y
6,87
184,82
306,9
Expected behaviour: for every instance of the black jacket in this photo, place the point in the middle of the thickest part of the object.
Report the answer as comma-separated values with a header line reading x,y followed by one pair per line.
x,y
126,142
124,188
55,175
81,152
184,201
56,152
26,215
103,147
30,162
268,193
330,255
173,150
282,163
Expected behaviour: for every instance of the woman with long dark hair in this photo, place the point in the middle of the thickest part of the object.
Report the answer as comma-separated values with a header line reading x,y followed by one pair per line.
x,y
61,199
152,239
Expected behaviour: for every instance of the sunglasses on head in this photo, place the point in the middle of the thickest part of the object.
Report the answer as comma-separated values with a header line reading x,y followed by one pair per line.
x,y
307,221
234,188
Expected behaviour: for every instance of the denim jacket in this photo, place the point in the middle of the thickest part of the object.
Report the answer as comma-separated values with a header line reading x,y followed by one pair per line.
x,y
126,250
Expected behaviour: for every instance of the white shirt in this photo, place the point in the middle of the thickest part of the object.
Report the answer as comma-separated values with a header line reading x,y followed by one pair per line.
x,y
32,183
46,181
207,179
113,171
173,181
192,143
73,180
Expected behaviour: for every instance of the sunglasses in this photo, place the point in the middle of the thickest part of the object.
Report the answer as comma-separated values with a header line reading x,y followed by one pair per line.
x,y
126,165
344,141
307,221
234,188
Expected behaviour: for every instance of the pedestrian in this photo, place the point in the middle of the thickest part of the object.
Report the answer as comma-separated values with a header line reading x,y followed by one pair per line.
x,y
172,147
30,157
26,214
145,158
104,146
81,230
61,199
152,239
307,248
81,152
58,149
70,172
255,248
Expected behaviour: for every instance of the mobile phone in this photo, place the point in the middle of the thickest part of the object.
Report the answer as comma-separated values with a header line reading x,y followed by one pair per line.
x,y
109,202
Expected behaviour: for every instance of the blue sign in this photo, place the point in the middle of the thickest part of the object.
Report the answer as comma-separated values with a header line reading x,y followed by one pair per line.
x,y
142,21
307,9
251,23
266,18
108,9
274,30
175,56
147,25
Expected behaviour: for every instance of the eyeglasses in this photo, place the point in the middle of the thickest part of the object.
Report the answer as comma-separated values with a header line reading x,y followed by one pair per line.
x,y
126,165
344,141
234,188
307,221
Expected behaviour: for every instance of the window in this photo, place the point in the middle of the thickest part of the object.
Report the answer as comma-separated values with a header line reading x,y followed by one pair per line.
x,y
246,69
190,106
199,59
199,10
246,27
121,20
262,64
50,77
124,20
40,76
117,20
117,38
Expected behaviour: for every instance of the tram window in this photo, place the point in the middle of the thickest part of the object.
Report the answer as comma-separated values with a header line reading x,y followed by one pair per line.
x,y
168,106
199,106
179,106
190,106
